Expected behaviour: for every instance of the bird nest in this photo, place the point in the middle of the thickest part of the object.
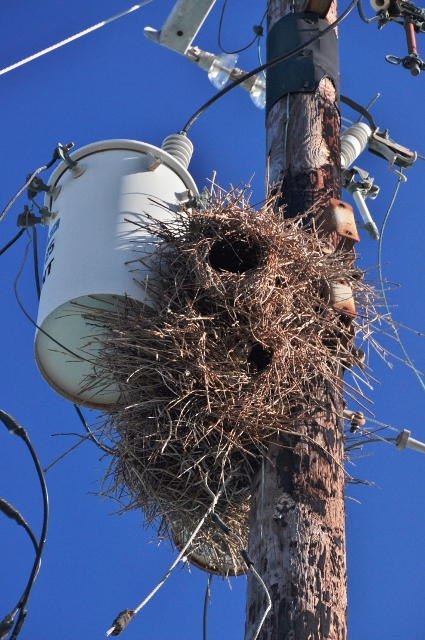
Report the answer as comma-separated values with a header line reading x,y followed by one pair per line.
x,y
239,330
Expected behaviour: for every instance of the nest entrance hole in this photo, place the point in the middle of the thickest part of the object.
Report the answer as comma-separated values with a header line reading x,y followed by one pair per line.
x,y
235,255
259,358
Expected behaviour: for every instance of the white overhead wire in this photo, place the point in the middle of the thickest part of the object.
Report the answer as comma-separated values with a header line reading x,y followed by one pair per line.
x,y
182,553
77,35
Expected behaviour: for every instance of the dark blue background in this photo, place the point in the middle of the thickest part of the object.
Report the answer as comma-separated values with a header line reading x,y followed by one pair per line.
x,y
114,83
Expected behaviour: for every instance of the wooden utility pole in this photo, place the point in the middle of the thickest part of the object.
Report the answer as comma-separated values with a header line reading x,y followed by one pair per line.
x,y
297,521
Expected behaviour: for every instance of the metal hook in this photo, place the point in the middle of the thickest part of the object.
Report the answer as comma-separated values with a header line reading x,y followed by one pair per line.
x,y
400,174
393,60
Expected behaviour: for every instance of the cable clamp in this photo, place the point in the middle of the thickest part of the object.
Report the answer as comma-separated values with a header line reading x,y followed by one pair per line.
x,y
62,153
27,219
364,185
355,418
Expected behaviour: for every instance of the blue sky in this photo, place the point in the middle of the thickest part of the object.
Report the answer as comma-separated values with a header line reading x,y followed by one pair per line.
x,y
114,83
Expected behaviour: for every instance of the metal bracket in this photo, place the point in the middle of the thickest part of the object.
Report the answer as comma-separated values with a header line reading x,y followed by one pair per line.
x,y
355,418
412,62
62,153
302,72
360,190
380,144
365,184
27,219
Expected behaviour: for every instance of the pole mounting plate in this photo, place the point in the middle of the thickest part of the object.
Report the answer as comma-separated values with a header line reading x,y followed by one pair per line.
x,y
303,71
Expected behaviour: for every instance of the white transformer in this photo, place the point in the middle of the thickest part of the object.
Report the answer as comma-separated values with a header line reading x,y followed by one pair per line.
x,y
92,236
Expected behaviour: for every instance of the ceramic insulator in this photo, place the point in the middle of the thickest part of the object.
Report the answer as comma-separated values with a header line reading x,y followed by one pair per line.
x,y
353,142
180,147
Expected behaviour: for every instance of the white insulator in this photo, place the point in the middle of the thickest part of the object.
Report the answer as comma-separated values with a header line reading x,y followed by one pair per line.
x,y
180,147
353,142
379,5
369,224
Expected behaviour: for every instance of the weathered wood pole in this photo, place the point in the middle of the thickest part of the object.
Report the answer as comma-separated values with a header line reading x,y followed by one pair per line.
x,y
297,521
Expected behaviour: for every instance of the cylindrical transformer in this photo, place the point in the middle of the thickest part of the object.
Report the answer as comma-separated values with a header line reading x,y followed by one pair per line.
x,y
94,235
353,142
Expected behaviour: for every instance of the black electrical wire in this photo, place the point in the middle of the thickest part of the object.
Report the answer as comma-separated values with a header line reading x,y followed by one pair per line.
x,y
362,14
256,28
90,433
27,183
206,603
14,428
14,514
357,107
267,65
11,242
35,254
33,322
77,408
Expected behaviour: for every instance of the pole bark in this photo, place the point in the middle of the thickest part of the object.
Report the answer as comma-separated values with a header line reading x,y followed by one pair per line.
x,y
297,519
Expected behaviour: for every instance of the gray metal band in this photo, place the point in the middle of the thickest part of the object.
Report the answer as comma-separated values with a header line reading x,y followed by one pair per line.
x,y
303,71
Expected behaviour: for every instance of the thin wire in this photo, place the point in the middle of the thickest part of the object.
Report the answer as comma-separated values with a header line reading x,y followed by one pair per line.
x,y
14,428
181,554
382,424
362,14
269,601
15,515
78,35
267,65
389,316
11,242
35,255
90,432
220,26
22,189
25,312
259,57
219,522
368,106
77,408
206,603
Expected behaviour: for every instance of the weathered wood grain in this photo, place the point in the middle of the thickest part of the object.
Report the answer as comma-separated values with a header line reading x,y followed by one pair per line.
x,y
297,521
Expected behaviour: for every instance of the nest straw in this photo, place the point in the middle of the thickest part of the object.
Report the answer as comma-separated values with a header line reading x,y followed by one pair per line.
x,y
238,330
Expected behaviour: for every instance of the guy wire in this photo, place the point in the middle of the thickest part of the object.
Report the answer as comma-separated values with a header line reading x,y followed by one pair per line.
x,y
389,316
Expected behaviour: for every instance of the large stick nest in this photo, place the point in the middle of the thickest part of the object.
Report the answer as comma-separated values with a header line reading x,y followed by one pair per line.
x,y
239,330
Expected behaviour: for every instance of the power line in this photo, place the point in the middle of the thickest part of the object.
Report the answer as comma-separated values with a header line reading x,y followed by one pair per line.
x,y
267,65
15,515
389,315
123,618
11,242
7,623
28,182
91,436
362,14
77,35
258,30
206,603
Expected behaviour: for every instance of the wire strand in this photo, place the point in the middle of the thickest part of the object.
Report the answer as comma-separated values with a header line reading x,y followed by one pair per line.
x,y
267,65
206,603
77,408
220,26
389,315
35,256
22,189
362,14
179,557
269,601
12,425
77,35
89,432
